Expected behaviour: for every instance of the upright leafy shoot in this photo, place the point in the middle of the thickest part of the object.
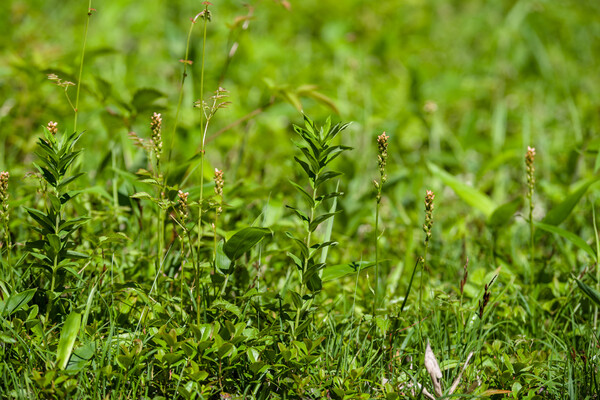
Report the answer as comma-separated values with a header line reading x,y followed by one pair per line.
x,y
54,251
317,153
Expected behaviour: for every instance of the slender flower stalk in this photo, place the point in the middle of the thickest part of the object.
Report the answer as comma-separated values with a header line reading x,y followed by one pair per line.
x,y
155,151
4,217
382,145
85,32
182,214
530,167
219,183
427,228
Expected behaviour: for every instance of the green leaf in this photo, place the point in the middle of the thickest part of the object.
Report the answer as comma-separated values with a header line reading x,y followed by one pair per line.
x,y
222,262
559,213
469,194
338,271
307,196
227,306
296,260
244,240
504,213
54,242
141,195
16,302
41,219
299,243
312,278
317,221
306,168
589,291
68,335
570,236
144,99
299,213
325,176
68,180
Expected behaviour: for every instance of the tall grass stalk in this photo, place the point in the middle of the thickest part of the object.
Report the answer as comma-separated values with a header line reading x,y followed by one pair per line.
x,y
530,167
427,228
78,90
4,218
382,144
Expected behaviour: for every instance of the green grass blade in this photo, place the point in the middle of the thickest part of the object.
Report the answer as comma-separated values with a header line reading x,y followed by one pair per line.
x,y
559,213
469,194
570,236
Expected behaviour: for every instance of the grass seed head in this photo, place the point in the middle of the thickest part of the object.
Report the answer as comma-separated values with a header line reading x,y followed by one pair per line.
x,y
4,176
182,205
156,126
382,145
429,197
529,163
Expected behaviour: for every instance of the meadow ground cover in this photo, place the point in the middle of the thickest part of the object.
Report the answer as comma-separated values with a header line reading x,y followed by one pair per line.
x,y
299,200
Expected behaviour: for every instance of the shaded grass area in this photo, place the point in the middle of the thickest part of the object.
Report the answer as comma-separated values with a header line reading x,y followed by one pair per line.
x,y
126,274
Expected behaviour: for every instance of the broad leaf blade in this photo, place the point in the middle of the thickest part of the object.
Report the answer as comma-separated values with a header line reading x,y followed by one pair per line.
x,y
243,241
338,271
17,301
68,335
504,213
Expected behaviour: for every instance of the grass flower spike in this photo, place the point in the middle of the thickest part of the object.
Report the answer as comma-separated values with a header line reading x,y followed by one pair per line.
x,y
156,126
429,197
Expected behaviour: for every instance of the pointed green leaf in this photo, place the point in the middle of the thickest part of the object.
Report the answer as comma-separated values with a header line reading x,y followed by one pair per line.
x,y
307,196
17,301
244,240
299,243
223,263
589,291
570,236
317,221
504,213
559,213
299,213
338,271
144,99
325,176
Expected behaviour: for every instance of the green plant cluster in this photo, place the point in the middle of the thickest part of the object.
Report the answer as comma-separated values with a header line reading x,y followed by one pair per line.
x,y
198,242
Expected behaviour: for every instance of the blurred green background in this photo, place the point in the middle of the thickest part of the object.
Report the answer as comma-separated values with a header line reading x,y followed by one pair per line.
x,y
466,85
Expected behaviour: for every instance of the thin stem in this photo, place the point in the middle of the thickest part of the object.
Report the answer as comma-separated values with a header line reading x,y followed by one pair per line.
x,y
204,128
185,62
531,242
76,108
376,253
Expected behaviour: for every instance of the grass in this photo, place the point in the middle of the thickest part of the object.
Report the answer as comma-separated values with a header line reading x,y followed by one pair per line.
x,y
248,258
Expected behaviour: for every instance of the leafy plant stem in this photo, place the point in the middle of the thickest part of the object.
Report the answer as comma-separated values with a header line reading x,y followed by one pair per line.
x,y
308,240
85,32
